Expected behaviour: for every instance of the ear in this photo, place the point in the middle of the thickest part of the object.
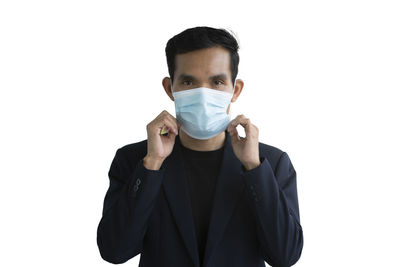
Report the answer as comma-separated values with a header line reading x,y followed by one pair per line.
x,y
237,90
166,83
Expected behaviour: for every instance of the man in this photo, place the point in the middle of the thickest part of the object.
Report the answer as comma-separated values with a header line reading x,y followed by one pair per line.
x,y
195,193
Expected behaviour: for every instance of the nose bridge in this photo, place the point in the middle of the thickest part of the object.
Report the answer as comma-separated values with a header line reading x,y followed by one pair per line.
x,y
204,84
202,98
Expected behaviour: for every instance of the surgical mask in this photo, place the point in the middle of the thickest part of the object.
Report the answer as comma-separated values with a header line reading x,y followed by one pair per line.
x,y
202,111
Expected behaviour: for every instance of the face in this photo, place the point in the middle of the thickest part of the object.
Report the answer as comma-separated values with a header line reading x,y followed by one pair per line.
x,y
207,67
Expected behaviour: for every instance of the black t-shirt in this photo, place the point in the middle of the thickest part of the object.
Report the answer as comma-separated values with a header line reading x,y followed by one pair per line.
x,y
202,169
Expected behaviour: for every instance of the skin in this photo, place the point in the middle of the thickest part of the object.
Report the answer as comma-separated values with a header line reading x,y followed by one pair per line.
x,y
204,67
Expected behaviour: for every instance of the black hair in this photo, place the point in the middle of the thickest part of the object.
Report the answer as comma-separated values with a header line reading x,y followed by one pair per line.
x,y
198,38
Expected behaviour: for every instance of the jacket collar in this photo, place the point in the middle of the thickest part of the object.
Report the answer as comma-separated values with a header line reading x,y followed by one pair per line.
x,y
229,189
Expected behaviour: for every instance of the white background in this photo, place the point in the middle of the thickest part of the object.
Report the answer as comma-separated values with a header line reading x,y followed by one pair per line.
x,y
80,79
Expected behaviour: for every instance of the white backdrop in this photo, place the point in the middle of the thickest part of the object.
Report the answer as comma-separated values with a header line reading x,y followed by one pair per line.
x,y
80,79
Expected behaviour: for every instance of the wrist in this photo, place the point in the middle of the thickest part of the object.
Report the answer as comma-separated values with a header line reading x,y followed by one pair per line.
x,y
151,163
251,165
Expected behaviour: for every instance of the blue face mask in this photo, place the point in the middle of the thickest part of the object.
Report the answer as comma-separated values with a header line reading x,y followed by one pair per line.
x,y
202,111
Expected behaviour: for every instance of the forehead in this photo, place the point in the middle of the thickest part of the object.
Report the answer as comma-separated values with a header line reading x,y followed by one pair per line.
x,y
203,62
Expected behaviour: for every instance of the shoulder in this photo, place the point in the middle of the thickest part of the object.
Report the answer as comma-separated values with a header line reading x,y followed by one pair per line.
x,y
132,153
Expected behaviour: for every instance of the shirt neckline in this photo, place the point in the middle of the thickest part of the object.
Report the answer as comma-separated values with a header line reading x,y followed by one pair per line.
x,y
202,154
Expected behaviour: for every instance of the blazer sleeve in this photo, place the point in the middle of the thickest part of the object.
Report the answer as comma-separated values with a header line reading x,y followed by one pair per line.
x,y
127,206
273,197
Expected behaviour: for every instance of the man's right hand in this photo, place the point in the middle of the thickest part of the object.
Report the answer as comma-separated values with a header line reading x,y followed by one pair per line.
x,y
159,147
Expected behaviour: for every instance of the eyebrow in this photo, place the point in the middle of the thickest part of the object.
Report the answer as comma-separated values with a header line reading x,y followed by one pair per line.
x,y
184,76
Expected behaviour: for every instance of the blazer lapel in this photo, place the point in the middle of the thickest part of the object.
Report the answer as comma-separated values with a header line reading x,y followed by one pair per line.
x,y
177,193
229,189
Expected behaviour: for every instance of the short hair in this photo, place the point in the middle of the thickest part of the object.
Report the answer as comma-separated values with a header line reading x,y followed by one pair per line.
x,y
202,37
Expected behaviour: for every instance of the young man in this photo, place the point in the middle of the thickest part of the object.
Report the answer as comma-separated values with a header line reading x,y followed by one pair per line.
x,y
195,193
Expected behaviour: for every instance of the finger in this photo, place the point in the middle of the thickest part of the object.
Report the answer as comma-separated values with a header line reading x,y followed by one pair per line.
x,y
166,125
178,125
245,122
251,130
235,120
163,113
171,135
166,114
234,133
242,120
232,124
162,118
174,122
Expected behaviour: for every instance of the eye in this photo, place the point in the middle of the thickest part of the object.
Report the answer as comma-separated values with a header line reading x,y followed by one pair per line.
x,y
217,82
186,81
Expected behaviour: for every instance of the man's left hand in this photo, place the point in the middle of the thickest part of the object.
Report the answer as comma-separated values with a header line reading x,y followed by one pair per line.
x,y
246,149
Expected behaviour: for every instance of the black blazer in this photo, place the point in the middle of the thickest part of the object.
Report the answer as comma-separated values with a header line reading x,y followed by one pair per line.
x,y
255,214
